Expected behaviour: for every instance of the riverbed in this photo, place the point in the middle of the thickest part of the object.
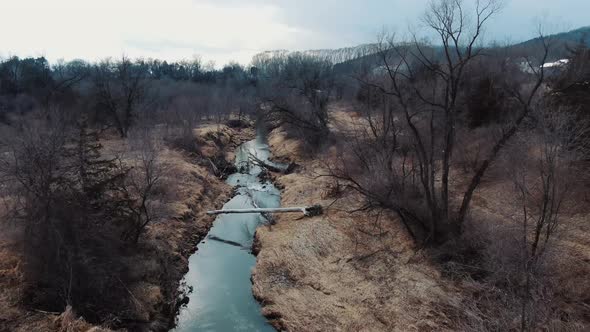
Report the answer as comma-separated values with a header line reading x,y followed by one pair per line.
x,y
219,272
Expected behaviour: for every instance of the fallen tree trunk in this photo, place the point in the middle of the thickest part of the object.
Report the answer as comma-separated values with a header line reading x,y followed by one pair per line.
x,y
307,210
259,210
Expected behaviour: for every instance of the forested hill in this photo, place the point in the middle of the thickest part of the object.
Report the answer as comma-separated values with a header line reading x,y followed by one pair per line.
x,y
350,58
338,55
561,44
573,37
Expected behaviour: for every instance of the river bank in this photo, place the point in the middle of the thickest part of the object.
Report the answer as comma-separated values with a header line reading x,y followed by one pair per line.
x,y
202,190
330,272
220,297
161,259
358,271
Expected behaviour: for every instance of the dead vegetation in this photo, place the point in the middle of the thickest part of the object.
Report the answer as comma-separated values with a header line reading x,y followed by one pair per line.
x,y
167,192
453,177
341,270
431,130
358,269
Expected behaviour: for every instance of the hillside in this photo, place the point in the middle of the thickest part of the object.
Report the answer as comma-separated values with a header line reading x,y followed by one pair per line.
x,y
560,43
350,59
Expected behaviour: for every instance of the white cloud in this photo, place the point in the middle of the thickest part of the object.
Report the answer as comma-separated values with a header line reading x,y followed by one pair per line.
x,y
163,29
224,30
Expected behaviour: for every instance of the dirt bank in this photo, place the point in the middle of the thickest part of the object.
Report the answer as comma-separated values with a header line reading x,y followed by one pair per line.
x,y
160,261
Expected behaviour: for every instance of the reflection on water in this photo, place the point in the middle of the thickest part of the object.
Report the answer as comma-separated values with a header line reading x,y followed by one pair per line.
x,y
219,272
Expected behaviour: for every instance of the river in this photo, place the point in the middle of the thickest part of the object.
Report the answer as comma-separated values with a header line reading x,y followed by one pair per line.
x,y
219,271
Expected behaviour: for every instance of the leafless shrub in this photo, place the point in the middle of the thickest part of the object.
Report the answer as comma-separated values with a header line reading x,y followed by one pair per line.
x,y
378,163
67,200
412,111
142,189
515,269
121,90
295,91
542,172
487,261
181,119
31,165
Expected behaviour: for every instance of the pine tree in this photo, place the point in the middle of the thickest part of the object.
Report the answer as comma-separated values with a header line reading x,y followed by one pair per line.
x,y
97,179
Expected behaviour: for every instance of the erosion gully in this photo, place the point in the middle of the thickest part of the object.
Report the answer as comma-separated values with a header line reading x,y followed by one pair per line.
x,y
219,272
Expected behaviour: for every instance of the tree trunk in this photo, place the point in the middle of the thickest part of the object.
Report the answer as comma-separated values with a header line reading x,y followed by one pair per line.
x,y
476,180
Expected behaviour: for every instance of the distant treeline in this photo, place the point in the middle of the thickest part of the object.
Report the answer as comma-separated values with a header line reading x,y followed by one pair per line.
x,y
113,92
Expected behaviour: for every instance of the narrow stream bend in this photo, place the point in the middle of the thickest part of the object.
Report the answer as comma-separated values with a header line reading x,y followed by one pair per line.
x,y
220,270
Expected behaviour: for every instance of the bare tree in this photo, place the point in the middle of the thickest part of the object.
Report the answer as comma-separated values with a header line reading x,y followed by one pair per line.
x,y
426,84
121,91
63,194
142,185
542,170
418,93
295,90
33,165
186,114
526,97
65,77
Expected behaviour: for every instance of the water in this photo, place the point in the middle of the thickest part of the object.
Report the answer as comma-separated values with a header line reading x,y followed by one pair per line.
x,y
219,272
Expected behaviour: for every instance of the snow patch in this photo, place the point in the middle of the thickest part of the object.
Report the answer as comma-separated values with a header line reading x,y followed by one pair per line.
x,y
558,63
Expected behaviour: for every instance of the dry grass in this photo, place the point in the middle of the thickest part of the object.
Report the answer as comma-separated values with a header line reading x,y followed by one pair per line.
x,y
563,288
357,272
156,268
333,273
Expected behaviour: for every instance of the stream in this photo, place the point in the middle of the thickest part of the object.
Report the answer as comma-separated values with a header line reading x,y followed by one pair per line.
x,y
220,270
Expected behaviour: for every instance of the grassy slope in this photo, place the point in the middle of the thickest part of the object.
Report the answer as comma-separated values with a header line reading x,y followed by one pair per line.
x,y
162,257
328,273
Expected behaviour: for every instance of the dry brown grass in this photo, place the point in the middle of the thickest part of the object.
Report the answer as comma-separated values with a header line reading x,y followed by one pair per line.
x,y
354,272
333,272
563,288
156,268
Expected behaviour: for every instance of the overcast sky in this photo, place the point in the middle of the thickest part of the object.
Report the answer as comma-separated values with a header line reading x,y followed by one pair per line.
x,y
224,30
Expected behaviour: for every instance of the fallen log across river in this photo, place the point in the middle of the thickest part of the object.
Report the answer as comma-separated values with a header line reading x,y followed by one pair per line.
x,y
309,211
